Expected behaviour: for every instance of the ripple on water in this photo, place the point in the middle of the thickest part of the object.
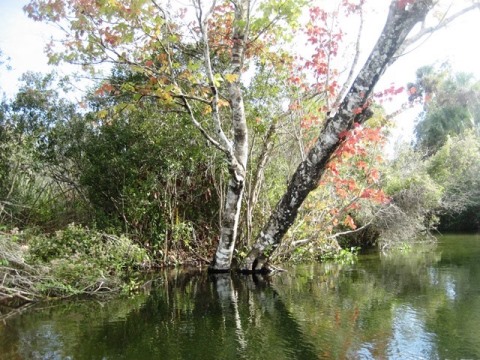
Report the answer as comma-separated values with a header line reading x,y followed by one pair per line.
x,y
410,339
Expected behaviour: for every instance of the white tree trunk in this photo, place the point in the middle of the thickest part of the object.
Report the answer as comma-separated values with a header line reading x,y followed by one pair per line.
x,y
237,158
401,19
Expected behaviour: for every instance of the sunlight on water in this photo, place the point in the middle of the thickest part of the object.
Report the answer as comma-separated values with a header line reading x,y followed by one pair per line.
x,y
450,288
410,339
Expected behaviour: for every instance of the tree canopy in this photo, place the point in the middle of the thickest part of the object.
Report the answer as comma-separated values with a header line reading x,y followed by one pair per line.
x,y
451,106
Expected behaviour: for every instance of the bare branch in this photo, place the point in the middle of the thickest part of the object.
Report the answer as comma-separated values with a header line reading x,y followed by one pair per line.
x,y
348,81
203,23
201,128
424,31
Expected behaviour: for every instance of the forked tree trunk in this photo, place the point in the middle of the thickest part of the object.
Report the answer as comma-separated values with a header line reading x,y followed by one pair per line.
x,y
402,17
237,158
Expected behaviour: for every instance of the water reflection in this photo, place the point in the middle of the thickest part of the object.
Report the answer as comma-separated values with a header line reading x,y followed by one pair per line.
x,y
421,305
410,339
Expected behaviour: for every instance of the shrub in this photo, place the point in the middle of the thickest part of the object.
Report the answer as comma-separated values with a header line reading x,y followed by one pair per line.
x,y
82,260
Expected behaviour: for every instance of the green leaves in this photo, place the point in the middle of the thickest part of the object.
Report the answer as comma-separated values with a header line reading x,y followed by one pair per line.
x,y
217,80
451,103
285,12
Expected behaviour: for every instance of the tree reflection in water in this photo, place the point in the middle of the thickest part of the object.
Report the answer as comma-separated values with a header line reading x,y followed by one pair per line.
x,y
417,304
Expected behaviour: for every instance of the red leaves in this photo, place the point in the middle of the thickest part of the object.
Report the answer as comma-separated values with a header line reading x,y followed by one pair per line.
x,y
295,80
332,88
357,110
352,176
343,134
376,195
110,37
345,187
105,89
373,135
324,32
373,176
309,120
316,13
41,11
315,71
221,28
352,7
389,93
349,222
332,166
342,193
294,105
362,165
351,182
356,141
298,81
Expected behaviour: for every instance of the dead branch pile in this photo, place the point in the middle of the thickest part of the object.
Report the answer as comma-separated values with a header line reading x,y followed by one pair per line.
x,y
17,278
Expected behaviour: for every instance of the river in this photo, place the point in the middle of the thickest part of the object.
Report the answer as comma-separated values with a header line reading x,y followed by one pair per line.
x,y
421,304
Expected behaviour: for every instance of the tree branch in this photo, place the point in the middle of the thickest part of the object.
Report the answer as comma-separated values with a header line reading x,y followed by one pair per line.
x,y
430,30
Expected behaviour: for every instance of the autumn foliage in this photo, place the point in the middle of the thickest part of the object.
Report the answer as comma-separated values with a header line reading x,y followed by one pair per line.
x,y
351,185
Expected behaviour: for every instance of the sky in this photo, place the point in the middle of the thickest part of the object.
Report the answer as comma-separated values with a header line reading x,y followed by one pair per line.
x,y
23,41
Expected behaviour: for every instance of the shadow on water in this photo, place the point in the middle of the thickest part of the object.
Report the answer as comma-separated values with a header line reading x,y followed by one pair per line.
x,y
413,305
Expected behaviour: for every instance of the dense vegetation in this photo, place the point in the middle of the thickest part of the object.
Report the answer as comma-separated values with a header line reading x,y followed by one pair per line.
x,y
90,192
98,197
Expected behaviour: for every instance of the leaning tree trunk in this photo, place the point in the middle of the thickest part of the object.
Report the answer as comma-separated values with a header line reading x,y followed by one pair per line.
x,y
237,159
403,16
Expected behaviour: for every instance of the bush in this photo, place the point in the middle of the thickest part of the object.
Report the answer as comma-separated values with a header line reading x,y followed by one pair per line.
x,y
143,173
455,167
416,198
82,260
136,171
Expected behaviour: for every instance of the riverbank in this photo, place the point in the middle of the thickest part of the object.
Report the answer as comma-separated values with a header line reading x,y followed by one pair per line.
x,y
78,261
74,261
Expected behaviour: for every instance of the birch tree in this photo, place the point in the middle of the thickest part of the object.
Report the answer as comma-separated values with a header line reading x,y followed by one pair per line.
x,y
238,148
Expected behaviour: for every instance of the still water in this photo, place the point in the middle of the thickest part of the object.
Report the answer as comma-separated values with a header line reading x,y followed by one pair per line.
x,y
423,304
